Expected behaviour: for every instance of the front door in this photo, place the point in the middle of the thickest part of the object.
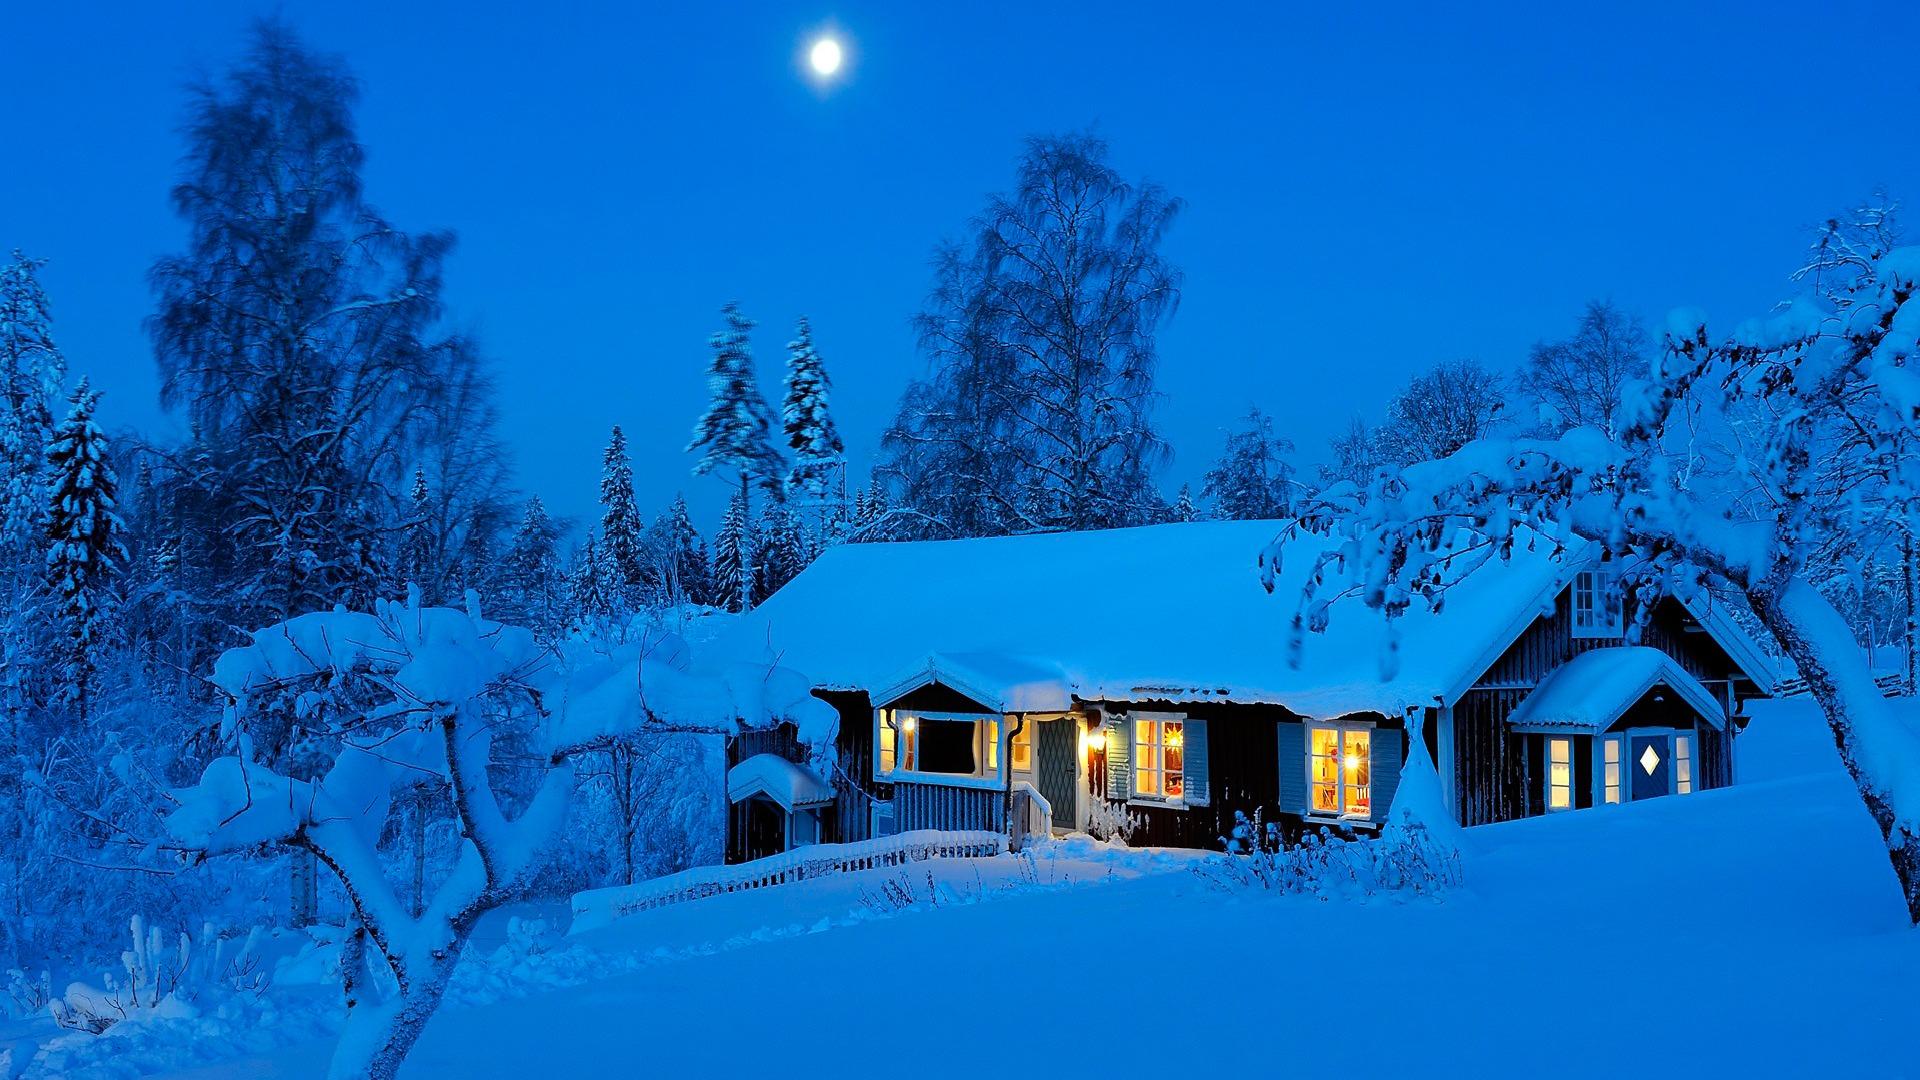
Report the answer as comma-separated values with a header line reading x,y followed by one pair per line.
x,y
1650,759
766,829
1055,744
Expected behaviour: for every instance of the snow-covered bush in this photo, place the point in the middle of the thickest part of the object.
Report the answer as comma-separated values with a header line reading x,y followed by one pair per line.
x,y
158,981
1112,822
1326,864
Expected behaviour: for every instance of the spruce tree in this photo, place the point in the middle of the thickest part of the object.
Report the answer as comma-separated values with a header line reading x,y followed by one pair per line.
x,y
83,531
416,540
732,566
684,554
587,591
870,510
735,434
1183,509
622,550
818,474
32,369
529,580
783,550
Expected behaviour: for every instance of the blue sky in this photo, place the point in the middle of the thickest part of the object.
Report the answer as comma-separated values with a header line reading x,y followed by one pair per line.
x,y
1369,189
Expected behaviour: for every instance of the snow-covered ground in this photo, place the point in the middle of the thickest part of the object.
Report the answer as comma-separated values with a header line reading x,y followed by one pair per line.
x,y
1752,929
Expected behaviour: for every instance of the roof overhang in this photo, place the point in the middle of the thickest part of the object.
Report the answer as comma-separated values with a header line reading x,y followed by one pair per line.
x,y
792,786
1003,684
1587,694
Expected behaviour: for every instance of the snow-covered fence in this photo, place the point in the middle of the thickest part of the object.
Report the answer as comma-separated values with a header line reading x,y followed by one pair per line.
x,y
1891,684
598,907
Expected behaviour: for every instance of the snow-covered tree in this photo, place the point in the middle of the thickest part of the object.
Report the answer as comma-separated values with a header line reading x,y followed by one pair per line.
x,y
531,589
83,531
1355,455
733,548
782,550
1441,411
417,696
1253,480
735,434
1851,357
296,331
1043,336
418,562
818,473
589,588
1578,381
621,545
681,556
32,374
1183,509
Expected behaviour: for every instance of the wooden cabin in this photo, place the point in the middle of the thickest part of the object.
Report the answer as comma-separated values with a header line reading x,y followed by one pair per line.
x,y
1145,681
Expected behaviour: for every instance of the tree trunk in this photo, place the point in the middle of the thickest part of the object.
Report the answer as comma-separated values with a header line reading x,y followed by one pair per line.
x,y
379,1035
1873,741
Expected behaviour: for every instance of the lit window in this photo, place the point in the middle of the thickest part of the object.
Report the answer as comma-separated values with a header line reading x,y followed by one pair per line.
x,y
1022,751
886,737
1610,769
1159,759
1340,770
1559,774
1596,607
1683,764
948,744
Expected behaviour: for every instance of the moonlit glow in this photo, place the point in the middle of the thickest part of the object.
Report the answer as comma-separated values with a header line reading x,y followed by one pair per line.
x,y
825,56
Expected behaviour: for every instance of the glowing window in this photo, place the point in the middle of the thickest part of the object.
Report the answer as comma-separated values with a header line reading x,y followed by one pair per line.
x,y
1610,769
947,744
886,739
1559,774
1022,749
1683,764
1340,770
1159,759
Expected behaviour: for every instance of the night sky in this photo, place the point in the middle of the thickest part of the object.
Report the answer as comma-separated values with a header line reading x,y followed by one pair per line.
x,y
1370,189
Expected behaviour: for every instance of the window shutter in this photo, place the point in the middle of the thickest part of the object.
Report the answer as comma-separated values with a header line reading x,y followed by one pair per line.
x,y
1388,753
1119,759
1194,761
1293,768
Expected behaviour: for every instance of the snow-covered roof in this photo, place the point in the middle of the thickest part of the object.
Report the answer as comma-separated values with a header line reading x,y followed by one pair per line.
x,y
793,786
1592,690
1174,612
1002,683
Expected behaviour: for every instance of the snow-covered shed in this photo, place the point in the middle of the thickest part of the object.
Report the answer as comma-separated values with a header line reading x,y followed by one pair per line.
x,y
1149,676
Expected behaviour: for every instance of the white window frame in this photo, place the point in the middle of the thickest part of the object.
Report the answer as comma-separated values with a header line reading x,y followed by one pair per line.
x,y
1343,728
1565,742
1615,743
1133,759
1683,744
895,727
1589,611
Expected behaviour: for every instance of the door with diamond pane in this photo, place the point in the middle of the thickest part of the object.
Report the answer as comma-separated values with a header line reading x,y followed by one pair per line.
x,y
1056,745
1650,759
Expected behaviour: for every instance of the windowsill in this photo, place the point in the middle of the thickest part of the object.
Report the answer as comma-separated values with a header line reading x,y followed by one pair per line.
x,y
1158,804
1339,819
978,783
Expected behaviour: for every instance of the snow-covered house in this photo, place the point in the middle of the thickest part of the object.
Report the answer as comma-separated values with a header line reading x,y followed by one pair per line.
x,y
1084,679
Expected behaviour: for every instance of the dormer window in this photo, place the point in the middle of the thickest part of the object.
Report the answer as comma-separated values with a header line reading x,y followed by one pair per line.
x,y
1596,605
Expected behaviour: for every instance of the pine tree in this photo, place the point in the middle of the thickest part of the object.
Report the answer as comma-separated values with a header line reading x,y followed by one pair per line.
x,y
732,566
683,555
416,540
32,369
735,433
83,531
1183,508
529,580
782,549
622,550
587,591
870,510
1253,480
819,456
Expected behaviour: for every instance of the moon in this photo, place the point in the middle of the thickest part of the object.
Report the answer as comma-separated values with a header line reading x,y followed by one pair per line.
x,y
825,56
